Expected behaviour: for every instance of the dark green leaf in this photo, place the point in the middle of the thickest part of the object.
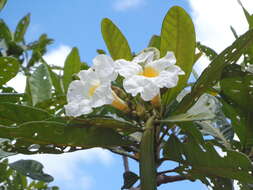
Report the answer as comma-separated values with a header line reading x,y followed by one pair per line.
x,y
234,32
247,15
15,113
2,4
115,40
130,179
40,84
178,35
21,28
101,51
55,137
202,160
212,74
71,66
32,169
155,42
9,67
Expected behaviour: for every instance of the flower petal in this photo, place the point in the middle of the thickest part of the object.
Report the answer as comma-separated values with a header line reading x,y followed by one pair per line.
x,y
86,75
76,91
102,96
161,64
127,68
105,67
140,84
144,57
76,108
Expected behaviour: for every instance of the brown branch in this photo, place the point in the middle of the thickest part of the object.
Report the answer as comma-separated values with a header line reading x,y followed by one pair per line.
x,y
162,179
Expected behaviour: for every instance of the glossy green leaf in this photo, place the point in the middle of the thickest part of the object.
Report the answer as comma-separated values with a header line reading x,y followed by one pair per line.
x,y
5,32
40,84
2,4
32,169
55,137
9,68
212,73
21,28
155,42
178,35
72,66
202,160
15,113
115,41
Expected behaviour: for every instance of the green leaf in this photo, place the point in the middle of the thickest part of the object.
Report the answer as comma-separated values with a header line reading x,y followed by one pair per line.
x,y
234,32
247,15
188,117
9,68
237,89
209,52
2,4
105,123
202,160
40,84
21,28
71,66
32,169
178,35
15,113
5,32
155,42
54,137
115,41
212,74
130,179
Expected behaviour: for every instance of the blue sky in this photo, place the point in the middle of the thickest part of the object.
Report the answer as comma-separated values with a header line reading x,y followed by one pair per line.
x,y
77,23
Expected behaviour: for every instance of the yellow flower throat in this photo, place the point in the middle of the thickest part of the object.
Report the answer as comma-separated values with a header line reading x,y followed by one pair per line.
x,y
149,72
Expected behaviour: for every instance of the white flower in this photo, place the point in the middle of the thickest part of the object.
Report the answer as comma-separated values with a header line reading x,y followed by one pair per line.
x,y
94,88
146,76
87,93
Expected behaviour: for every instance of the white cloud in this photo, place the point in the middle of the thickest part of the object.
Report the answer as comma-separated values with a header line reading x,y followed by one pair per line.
x,y
213,19
66,167
57,56
122,5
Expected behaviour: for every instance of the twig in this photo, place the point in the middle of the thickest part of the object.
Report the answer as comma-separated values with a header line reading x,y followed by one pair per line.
x,y
126,164
123,153
162,179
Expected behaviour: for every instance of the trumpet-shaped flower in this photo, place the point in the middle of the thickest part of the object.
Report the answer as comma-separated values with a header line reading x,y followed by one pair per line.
x,y
146,76
93,89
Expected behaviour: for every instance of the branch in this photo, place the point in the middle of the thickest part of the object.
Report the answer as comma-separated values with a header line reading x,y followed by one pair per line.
x,y
162,179
126,164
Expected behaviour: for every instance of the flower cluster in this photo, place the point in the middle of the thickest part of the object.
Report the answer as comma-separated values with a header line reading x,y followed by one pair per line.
x,y
144,75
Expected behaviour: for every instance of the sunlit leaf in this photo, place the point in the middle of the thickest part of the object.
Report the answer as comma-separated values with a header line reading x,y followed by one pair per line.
x,y
2,4
115,40
72,66
21,28
5,32
155,42
178,35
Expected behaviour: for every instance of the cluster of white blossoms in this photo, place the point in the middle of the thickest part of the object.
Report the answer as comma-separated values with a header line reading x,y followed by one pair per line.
x,y
144,75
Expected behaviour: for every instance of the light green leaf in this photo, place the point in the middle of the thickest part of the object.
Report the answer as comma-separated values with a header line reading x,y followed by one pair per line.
x,y
212,74
155,42
115,41
32,169
9,68
178,35
40,84
2,4
72,66
21,28
209,52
